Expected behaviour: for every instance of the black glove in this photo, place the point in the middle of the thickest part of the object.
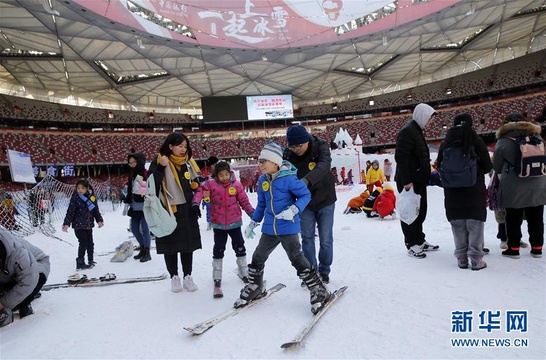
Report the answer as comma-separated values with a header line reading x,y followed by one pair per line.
x,y
196,210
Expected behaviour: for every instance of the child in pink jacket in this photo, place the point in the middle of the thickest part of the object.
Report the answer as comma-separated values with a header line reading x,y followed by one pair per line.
x,y
227,197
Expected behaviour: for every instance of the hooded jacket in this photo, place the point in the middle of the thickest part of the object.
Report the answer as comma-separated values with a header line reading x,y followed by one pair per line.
x,y
139,169
516,192
226,201
467,202
315,167
385,203
275,194
374,175
20,266
412,154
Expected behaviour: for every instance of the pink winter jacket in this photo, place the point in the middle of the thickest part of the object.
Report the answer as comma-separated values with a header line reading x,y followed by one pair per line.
x,y
226,201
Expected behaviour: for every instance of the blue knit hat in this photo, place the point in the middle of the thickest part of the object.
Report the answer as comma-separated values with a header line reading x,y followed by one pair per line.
x,y
296,135
272,152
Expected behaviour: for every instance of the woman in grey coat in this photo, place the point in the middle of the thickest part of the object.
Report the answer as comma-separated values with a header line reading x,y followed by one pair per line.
x,y
24,269
517,195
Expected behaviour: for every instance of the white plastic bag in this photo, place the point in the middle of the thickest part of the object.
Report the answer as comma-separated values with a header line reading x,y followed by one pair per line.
x,y
407,204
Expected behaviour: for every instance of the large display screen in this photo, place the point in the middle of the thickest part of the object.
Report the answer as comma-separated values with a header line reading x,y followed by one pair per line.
x,y
269,107
224,108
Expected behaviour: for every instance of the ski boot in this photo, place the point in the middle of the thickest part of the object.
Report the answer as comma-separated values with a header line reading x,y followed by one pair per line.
x,y
218,293
217,277
320,295
255,287
242,268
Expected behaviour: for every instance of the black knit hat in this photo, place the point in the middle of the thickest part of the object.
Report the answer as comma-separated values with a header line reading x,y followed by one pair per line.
x,y
462,118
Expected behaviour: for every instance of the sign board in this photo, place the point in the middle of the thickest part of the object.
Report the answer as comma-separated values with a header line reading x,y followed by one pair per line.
x,y
20,167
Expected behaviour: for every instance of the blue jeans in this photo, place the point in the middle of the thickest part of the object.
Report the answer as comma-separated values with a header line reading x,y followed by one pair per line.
x,y
324,219
139,228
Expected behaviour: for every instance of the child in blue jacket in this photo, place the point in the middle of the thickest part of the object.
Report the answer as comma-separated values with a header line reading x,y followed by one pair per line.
x,y
281,197
82,212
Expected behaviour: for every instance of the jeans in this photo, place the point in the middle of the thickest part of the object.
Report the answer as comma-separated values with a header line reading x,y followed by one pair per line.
x,y
324,219
139,228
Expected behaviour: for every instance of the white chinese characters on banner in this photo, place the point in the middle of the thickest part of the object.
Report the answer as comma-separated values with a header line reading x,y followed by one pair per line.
x,y
68,170
52,170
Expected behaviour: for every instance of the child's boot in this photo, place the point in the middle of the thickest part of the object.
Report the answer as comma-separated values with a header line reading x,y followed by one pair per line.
x,y
217,269
242,268
255,287
477,263
320,295
81,265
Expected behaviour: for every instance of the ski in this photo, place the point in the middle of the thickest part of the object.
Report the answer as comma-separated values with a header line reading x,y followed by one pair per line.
x,y
112,252
90,282
201,327
303,333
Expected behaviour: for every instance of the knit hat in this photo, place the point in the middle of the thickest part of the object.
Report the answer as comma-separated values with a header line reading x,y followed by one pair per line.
x,y
296,135
462,118
272,152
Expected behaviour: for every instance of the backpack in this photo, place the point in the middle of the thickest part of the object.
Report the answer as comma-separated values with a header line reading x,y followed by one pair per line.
x,y
530,157
161,221
458,169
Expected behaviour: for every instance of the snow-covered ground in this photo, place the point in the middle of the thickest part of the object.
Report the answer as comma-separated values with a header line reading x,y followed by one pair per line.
x,y
396,307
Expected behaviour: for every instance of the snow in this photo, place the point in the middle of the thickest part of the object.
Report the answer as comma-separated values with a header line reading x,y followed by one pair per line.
x,y
396,307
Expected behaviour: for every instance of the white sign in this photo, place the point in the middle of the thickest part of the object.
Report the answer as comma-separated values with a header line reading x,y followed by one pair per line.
x,y
20,167
269,107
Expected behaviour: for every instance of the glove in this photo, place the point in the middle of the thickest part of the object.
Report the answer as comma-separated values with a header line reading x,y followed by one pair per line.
x,y
196,210
289,213
249,230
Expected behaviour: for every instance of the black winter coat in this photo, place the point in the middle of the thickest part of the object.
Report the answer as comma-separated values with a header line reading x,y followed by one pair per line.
x,y
469,202
315,167
186,237
412,156
79,215
140,169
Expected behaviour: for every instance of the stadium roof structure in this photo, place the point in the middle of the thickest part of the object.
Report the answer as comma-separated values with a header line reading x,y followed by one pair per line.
x,y
164,55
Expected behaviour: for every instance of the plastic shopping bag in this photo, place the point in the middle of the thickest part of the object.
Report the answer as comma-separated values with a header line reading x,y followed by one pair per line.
x,y
407,205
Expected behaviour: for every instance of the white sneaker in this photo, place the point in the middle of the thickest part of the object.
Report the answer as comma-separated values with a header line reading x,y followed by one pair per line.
x,y
504,245
175,284
416,251
429,247
189,284
523,244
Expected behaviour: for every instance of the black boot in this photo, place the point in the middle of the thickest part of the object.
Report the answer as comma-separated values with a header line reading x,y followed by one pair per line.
x,y
80,264
320,295
146,256
255,287
25,310
140,253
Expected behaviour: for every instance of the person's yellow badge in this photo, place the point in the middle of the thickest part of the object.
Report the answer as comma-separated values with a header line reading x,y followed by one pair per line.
x,y
265,186
232,191
92,198
187,175
312,165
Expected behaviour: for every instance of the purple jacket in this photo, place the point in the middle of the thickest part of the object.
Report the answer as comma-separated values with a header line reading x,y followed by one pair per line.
x,y
226,201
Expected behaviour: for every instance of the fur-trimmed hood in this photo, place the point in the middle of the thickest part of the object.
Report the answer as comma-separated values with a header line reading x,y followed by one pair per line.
x,y
518,128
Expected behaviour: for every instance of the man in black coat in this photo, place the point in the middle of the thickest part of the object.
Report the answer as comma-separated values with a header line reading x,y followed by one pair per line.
x,y
311,156
413,172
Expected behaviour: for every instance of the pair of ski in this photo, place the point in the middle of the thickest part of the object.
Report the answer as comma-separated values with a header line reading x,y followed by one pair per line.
x,y
202,327
108,279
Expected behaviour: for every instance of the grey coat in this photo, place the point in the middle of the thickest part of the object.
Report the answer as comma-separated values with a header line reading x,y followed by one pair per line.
x,y
20,269
516,192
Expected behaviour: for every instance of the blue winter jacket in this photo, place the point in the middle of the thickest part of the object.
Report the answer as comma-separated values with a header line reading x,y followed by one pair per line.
x,y
79,216
275,194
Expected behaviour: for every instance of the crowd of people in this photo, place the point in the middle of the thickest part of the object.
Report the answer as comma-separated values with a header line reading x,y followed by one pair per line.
x,y
296,196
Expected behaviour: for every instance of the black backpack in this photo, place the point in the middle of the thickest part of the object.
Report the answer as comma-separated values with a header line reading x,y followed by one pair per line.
x,y
458,169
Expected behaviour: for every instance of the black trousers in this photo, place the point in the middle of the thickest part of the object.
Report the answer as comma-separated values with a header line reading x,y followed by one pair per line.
x,y
535,226
413,234
172,263
85,240
41,281
220,240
